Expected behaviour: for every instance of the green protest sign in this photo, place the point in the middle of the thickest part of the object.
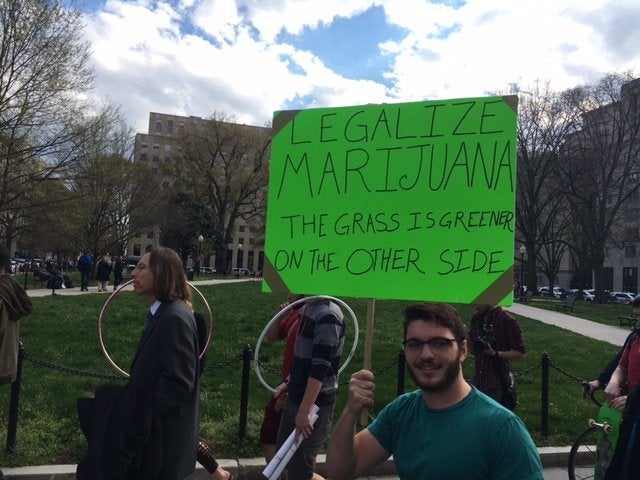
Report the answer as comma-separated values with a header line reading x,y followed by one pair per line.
x,y
407,201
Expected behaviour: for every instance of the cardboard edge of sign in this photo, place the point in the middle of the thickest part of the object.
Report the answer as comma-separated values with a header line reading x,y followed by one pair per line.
x,y
511,101
493,294
281,119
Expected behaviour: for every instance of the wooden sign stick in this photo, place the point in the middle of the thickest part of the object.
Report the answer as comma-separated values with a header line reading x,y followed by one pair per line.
x,y
368,346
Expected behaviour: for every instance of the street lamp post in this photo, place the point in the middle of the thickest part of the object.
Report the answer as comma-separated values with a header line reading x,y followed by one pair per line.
x,y
238,262
200,240
523,251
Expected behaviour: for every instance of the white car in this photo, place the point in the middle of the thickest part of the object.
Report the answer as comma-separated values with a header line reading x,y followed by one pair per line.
x,y
621,297
589,295
557,291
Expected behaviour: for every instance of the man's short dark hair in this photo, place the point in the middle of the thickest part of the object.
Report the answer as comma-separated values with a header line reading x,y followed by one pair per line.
x,y
440,313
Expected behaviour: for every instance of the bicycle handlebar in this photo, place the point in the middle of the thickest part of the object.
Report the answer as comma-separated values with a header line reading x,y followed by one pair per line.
x,y
587,391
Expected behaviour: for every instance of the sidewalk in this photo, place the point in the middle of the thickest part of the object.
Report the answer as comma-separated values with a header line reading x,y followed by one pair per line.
x,y
44,292
604,333
554,459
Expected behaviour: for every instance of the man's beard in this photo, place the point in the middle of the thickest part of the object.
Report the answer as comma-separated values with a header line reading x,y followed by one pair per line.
x,y
451,372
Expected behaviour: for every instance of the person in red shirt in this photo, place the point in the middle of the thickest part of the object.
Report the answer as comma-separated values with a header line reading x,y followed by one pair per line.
x,y
626,376
287,328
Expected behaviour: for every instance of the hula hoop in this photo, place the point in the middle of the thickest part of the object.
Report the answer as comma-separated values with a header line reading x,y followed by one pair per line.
x,y
115,294
276,317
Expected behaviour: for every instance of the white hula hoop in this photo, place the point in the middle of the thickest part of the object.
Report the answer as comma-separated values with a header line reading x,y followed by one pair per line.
x,y
276,317
106,306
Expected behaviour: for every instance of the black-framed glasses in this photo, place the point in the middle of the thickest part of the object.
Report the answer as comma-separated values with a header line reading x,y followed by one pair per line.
x,y
436,344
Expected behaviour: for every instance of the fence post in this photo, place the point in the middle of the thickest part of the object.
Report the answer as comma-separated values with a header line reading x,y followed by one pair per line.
x,y
401,367
244,392
14,402
545,394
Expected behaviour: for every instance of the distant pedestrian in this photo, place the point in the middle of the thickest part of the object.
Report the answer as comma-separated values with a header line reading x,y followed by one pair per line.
x,y
118,266
85,263
103,272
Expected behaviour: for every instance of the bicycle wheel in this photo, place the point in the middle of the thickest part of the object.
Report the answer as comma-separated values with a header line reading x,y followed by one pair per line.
x,y
587,461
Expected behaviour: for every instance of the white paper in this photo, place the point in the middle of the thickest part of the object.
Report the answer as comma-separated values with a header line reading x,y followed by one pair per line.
x,y
282,457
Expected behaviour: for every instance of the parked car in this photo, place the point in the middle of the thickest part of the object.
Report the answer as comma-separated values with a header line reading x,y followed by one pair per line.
x,y
557,291
131,261
621,297
241,271
207,270
589,294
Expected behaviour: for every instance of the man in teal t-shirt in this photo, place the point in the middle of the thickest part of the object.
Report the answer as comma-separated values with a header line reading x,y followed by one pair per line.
x,y
447,429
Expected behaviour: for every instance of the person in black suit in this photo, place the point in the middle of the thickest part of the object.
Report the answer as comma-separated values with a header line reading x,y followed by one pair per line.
x,y
149,428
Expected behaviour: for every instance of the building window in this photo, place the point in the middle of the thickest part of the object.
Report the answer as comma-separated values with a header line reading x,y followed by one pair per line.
x,y
156,158
170,125
167,158
143,157
149,234
630,279
143,145
241,228
136,249
158,126
156,146
607,273
630,251
167,148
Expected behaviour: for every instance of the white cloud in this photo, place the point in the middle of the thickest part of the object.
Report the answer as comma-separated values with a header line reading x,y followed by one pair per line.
x,y
197,57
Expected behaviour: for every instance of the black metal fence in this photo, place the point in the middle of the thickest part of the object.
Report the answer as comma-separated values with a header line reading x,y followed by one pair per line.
x,y
246,359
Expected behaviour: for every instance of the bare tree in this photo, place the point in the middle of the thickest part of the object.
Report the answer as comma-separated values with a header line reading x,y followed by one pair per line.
x,y
224,166
543,126
44,69
553,243
599,166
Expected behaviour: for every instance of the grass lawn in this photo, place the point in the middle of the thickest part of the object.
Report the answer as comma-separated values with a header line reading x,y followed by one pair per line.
x,y
64,359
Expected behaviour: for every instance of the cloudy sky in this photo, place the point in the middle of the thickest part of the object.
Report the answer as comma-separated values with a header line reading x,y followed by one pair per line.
x,y
249,58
